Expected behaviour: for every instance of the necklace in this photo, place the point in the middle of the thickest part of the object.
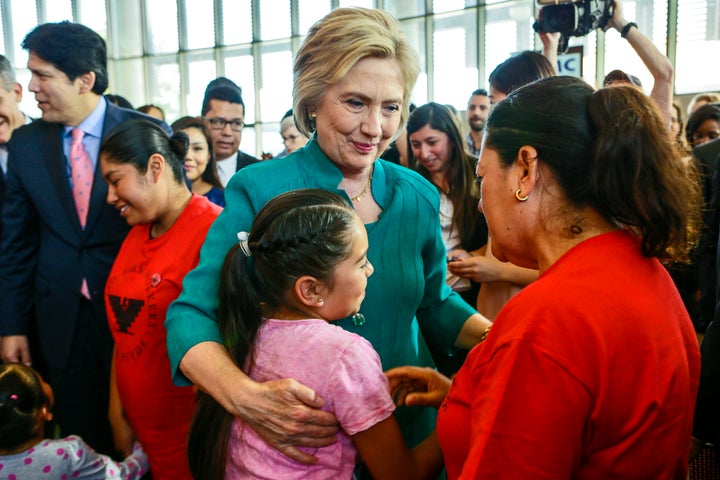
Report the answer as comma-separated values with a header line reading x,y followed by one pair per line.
x,y
364,191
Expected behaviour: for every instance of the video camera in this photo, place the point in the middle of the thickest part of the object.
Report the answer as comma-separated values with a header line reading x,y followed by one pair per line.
x,y
572,18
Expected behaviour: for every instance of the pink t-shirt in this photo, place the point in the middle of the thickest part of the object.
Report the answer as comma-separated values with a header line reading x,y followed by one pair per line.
x,y
342,368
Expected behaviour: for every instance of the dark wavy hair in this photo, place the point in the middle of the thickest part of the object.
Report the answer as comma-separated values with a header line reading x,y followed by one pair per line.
x,y
297,233
21,399
135,141
464,192
210,174
609,150
72,48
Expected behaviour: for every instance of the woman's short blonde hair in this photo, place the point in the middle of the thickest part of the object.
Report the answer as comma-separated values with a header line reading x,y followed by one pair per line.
x,y
335,44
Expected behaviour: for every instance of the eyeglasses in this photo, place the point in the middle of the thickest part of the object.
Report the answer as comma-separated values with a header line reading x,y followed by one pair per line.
x,y
218,123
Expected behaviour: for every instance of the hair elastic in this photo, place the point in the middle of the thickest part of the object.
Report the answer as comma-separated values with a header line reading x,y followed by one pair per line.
x,y
243,242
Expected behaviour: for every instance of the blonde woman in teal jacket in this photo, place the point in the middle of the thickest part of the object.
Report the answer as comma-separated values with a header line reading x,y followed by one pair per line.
x,y
370,70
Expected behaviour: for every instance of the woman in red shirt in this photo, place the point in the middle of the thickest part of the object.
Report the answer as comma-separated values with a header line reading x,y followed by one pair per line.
x,y
144,171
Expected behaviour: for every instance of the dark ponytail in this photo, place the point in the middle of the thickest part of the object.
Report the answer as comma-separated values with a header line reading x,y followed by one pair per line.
x,y
609,150
21,398
302,232
135,141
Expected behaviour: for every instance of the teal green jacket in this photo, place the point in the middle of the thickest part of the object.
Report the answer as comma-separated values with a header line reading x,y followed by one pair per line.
x,y
407,302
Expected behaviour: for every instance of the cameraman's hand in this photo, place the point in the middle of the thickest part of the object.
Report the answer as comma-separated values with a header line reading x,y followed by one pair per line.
x,y
617,21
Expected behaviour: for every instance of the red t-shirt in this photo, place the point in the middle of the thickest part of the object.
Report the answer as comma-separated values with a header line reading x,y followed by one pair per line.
x,y
589,373
145,278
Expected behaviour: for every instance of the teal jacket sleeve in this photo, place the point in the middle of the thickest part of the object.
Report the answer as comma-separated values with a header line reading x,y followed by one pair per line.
x,y
192,318
442,312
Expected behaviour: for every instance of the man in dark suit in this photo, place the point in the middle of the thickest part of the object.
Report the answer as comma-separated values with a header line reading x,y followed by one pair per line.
x,y
223,110
54,261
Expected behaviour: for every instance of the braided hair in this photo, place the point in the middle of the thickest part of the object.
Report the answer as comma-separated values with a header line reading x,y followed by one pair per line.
x,y
297,233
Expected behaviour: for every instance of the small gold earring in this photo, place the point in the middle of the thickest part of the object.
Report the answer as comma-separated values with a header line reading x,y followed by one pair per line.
x,y
517,195
312,116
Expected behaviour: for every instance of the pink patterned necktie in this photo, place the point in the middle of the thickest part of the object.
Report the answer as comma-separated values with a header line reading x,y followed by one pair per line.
x,y
82,175
82,180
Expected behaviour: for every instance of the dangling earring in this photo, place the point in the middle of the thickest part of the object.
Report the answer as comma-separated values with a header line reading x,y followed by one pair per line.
x,y
517,195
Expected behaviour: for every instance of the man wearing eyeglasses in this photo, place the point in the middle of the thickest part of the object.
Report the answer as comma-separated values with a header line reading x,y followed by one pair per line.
x,y
224,113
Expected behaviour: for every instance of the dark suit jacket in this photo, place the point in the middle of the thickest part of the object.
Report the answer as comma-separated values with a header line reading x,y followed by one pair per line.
x,y
706,157
243,160
44,254
707,415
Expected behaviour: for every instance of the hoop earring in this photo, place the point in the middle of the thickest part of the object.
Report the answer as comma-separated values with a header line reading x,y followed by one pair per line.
x,y
521,199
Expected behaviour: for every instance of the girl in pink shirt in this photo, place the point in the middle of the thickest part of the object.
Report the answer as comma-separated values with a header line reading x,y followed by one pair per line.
x,y
304,264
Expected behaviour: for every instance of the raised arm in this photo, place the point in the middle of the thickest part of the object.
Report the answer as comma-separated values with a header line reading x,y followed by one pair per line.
x,y
656,62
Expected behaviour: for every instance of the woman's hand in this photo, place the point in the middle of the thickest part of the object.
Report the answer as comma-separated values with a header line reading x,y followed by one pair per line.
x,y
285,413
479,269
418,386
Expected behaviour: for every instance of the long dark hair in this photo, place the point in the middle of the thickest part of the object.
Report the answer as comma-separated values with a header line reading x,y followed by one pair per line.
x,y
520,69
464,193
609,150
21,398
210,174
135,141
301,232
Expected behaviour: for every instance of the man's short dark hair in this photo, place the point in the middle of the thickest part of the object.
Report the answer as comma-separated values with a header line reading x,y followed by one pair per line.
x,y
72,48
222,88
481,92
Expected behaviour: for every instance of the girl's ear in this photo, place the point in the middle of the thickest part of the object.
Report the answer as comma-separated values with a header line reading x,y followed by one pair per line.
x,y
309,291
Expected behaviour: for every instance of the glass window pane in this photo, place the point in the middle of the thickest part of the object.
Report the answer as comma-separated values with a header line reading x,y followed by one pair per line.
x,y
406,8
455,58
58,10
2,31
127,31
162,26
698,44
414,30
274,19
357,3
508,31
440,6
311,13
271,139
92,13
28,104
240,69
24,19
128,80
277,78
248,143
588,43
237,22
618,52
201,70
200,24
165,86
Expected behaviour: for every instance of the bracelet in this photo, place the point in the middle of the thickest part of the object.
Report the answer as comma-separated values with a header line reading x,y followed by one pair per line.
x,y
485,334
626,29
